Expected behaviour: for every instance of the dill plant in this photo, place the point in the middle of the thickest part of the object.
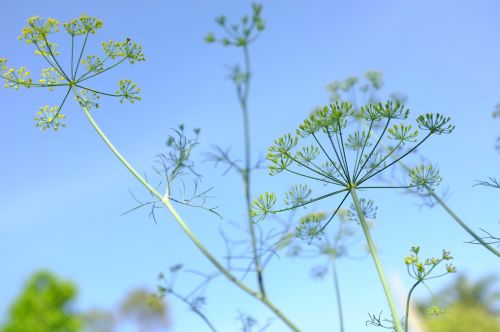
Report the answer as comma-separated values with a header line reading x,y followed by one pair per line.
x,y
73,81
241,35
345,161
421,270
353,89
350,160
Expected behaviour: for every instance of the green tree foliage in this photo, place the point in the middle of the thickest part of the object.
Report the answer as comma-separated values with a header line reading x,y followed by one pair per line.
x,y
44,306
460,317
470,306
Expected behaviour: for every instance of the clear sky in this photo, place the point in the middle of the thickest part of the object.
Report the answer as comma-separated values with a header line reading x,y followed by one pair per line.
x,y
62,194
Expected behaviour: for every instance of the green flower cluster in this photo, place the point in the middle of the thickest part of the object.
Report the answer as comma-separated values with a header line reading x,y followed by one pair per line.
x,y
420,269
242,33
344,158
37,33
310,226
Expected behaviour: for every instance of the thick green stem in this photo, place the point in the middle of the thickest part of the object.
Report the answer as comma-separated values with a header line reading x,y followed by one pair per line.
x,y
165,200
380,271
337,295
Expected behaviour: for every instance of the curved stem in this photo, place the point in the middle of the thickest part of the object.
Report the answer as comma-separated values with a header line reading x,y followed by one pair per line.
x,y
166,201
407,318
380,271
337,295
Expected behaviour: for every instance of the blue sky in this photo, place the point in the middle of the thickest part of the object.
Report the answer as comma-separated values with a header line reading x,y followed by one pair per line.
x,y
62,194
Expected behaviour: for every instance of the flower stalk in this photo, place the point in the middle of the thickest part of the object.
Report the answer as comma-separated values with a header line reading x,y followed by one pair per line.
x,y
376,261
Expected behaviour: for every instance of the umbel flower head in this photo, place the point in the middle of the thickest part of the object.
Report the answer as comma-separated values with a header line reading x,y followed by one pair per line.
x,y
421,270
239,34
72,79
326,149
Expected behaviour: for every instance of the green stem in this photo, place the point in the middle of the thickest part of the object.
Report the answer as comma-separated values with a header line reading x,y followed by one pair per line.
x,y
313,178
363,149
380,271
81,54
407,315
243,98
344,172
72,59
461,222
318,171
342,150
55,59
433,194
337,295
60,71
326,154
312,200
84,77
372,151
366,177
194,309
182,223
98,92
372,169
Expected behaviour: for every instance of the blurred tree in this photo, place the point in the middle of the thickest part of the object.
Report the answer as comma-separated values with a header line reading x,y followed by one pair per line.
x,y
98,321
147,310
470,306
459,317
44,306
477,293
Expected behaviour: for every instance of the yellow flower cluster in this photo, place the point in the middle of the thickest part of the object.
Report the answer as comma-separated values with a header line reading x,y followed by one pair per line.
x,y
16,78
3,67
49,117
82,25
38,28
51,77
127,49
